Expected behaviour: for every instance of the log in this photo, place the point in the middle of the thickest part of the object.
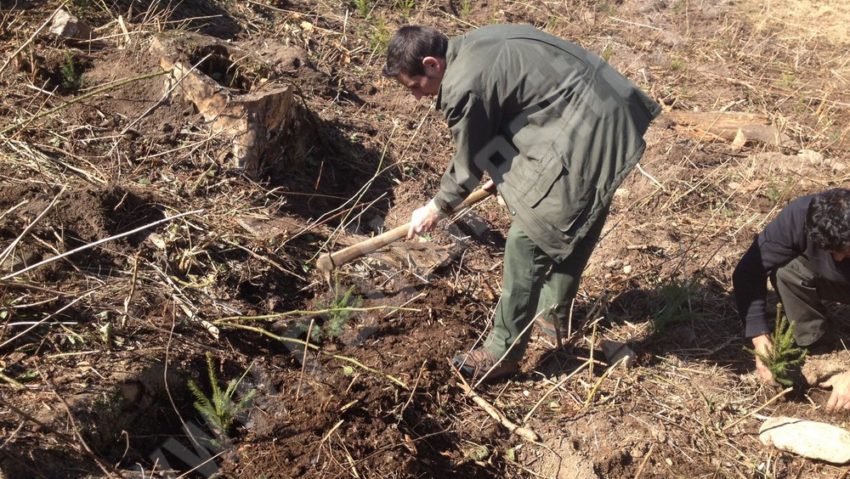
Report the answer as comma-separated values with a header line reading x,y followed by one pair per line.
x,y
733,127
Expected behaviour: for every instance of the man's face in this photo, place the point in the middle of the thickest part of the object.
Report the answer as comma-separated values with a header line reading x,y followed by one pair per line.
x,y
840,255
427,84
419,85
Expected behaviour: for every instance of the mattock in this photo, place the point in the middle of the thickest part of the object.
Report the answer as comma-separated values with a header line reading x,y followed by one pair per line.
x,y
329,261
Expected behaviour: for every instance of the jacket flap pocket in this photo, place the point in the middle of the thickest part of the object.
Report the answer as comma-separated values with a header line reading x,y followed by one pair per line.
x,y
540,182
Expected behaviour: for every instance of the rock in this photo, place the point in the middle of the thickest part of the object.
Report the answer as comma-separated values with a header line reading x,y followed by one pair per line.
x,y
616,351
811,156
814,440
68,26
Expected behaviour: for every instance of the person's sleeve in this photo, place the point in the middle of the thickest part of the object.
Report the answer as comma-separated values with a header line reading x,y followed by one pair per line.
x,y
782,240
471,122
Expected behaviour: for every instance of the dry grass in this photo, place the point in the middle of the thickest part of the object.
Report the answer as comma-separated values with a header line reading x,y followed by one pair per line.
x,y
690,408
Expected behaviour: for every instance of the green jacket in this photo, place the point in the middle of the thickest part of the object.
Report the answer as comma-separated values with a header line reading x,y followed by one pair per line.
x,y
554,125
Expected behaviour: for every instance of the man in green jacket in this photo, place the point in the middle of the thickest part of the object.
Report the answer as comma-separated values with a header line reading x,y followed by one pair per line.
x,y
556,129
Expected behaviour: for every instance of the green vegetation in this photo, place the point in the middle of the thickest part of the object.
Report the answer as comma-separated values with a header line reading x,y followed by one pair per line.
x,y
340,312
676,296
785,356
364,7
465,8
607,53
677,64
220,408
71,77
405,7
379,36
773,194
787,80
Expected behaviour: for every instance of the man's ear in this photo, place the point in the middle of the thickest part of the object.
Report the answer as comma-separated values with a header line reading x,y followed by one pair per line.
x,y
433,64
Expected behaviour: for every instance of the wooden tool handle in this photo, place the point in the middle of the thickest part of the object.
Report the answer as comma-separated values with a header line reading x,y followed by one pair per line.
x,y
327,262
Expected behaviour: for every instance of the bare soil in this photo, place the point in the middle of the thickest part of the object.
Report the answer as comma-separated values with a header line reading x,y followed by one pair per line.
x,y
97,348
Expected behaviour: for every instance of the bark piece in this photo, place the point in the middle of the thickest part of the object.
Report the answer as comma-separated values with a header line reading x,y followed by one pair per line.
x,y
814,440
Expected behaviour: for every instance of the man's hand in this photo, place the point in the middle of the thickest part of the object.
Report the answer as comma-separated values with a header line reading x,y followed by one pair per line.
x,y
763,346
424,219
839,400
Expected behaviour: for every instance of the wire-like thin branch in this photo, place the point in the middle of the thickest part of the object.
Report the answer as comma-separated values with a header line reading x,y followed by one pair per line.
x,y
520,431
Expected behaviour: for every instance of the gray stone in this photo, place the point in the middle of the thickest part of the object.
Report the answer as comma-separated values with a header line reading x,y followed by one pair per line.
x,y
814,440
616,352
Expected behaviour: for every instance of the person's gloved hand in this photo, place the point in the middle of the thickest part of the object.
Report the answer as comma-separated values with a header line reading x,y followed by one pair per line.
x,y
839,400
763,345
424,219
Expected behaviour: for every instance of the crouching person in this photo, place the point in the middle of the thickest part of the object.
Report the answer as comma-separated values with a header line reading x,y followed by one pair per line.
x,y
805,251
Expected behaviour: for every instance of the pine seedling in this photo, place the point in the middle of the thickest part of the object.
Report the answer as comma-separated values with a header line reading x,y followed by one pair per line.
x,y
220,408
71,77
340,312
785,355
676,296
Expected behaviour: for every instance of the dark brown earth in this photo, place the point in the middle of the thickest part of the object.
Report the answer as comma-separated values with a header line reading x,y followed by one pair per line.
x,y
97,348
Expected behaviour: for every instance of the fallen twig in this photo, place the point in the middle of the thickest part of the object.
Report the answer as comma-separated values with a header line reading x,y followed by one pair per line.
x,y
340,357
645,460
552,389
79,437
520,431
96,243
6,252
598,383
317,312
37,323
112,86
31,38
12,382
304,358
768,403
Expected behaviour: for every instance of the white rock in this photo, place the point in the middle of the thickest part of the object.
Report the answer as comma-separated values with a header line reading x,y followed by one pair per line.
x,y
66,25
814,440
811,156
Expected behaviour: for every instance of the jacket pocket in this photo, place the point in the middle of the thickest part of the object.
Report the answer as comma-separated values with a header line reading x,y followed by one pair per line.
x,y
559,198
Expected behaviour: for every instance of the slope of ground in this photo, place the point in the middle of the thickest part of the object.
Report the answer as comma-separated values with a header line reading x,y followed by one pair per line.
x,y
349,377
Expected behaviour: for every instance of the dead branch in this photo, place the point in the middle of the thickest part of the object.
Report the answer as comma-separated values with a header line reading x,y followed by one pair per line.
x,y
756,410
520,431
5,254
111,86
31,38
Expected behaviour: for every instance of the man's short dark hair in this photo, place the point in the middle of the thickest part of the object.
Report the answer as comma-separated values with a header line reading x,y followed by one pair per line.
x,y
409,46
828,220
